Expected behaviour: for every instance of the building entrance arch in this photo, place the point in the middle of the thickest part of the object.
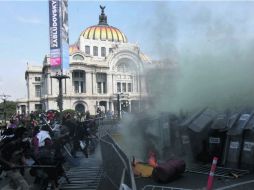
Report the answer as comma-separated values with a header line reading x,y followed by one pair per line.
x,y
80,108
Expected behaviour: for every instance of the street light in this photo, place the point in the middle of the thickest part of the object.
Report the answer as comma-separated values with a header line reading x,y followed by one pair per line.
x,y
118,106
60,96
120,95
4,97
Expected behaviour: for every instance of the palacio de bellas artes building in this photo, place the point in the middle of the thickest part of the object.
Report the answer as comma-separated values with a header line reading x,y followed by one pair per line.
x,y
102,64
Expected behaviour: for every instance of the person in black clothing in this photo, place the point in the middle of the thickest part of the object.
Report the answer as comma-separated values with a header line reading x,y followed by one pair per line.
x,y
12,154
86,134
72,126
47,151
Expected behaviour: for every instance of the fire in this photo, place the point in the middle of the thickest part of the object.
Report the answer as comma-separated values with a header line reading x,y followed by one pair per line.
x,y
141,169
152,161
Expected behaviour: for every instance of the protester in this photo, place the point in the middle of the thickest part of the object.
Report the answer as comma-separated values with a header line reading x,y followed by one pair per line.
x,y
12,124
11,156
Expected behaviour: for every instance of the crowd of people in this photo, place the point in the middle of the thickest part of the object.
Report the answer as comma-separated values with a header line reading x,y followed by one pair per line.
x,y
38,143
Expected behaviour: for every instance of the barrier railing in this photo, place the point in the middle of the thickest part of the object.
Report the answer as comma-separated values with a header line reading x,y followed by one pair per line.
x,y
156,187
105,129
113,164
117,167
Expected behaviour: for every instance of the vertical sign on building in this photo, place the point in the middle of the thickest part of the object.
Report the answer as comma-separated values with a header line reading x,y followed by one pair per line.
x,y
64,35
54,34
59,35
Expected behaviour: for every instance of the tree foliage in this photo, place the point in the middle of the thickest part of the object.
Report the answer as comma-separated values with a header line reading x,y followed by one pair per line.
x,y
70,111
10,109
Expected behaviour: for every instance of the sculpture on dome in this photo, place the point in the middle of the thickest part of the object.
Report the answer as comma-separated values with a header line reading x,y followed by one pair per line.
x,y
102,9
102,17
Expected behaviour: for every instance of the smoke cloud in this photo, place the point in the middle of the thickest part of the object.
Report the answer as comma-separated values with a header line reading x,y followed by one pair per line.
x,y
209,64
206,61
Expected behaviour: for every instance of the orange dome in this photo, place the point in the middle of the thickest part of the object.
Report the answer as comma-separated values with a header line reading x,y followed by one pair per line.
x,y
103,31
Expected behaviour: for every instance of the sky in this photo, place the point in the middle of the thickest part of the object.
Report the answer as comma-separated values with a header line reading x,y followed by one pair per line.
x,y
184,31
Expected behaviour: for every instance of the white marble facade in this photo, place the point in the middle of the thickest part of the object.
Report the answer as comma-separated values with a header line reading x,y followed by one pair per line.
x,y
102,64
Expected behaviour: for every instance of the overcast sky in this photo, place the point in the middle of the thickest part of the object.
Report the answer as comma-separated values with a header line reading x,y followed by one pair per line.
x,y
160,28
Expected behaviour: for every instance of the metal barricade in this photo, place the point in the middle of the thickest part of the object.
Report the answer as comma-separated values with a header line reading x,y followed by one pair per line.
x,y
117,166
113,165
155,187
235,136
105,129
247,153
217,138
182,137
199,129
129,177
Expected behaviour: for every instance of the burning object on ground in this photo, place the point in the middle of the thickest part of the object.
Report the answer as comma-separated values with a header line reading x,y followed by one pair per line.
x,y
168,171
144,169
161,172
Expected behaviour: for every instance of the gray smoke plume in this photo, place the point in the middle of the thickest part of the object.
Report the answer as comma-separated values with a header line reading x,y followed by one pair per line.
x,y
132,142
213,69
206,63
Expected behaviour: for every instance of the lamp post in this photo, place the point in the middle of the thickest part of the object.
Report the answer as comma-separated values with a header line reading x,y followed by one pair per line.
x,y
60,95
140,91
4,97
119,105
119,96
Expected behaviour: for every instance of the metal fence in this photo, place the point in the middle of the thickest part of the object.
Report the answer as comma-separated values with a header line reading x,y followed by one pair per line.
x,y
155,187
220,171
108,128
106,121
117,167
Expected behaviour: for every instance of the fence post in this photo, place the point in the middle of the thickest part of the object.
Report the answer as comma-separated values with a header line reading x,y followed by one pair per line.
x,y
211,174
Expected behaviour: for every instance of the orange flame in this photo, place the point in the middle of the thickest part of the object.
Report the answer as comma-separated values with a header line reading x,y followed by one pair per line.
x,y
152,161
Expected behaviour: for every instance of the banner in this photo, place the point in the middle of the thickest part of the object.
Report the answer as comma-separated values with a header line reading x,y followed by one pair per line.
x,y
54,33
59,35
64,35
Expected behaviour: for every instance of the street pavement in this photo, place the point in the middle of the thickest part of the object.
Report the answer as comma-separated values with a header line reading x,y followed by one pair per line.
x,y
198,182
86,175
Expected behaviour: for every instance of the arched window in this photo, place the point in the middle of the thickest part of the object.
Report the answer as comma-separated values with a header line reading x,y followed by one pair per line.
x,y
127,70
103,52
87,50
95,51
80,108
78,57
124,67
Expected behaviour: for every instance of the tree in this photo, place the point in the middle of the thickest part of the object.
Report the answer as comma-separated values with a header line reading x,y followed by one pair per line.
x,y
10,109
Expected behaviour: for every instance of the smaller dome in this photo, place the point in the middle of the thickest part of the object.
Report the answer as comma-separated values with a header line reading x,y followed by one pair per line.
x,y
103,31
73,49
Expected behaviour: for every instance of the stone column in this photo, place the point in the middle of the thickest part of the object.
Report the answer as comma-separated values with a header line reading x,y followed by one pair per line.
x,y
110,106
94,91
89,83
107,106
113,84
102,87
69,86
